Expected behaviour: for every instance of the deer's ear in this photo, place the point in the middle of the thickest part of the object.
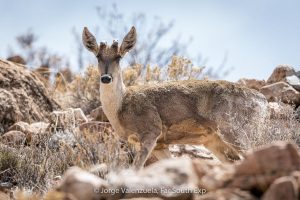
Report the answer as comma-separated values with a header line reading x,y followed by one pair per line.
x,y
128,41
90,41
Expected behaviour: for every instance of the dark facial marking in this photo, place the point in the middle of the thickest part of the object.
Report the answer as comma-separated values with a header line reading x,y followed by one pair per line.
x,y
106,64
107,61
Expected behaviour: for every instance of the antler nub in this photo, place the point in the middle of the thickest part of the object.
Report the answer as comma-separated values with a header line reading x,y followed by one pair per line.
x,y
102,46
114,46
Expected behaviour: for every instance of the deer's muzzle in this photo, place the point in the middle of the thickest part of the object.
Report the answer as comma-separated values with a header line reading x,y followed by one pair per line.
x,y
106,78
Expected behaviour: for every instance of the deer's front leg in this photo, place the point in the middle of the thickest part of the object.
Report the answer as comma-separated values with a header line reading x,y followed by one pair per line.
x,y
147,142
146,126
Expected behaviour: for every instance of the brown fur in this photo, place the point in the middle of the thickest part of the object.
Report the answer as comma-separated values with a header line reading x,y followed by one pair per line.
x,y
203,101
182,112
188,112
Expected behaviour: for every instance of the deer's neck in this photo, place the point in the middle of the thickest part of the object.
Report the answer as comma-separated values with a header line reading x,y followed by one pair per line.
x,y
111,98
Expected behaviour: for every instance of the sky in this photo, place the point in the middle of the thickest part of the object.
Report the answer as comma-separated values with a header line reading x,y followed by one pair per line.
x,y
257,35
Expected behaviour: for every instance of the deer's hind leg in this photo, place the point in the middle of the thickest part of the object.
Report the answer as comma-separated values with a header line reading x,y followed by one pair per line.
x,y
192,131
221,149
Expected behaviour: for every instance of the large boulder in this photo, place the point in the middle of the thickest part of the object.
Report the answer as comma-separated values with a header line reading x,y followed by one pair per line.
x,y
23,96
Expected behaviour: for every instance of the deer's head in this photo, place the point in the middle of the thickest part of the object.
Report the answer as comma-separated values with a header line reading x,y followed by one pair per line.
x,y
109,56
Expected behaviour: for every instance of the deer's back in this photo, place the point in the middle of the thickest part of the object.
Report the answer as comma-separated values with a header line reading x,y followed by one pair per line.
x,y
215,102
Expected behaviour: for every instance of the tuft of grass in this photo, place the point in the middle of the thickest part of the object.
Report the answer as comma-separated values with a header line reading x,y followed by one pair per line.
x,y
183,69
9,164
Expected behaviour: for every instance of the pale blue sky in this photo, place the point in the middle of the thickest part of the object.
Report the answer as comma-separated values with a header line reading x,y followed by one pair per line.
x,y
257,34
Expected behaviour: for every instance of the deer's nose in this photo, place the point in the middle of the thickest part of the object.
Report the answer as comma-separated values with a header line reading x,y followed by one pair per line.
x,y
106,78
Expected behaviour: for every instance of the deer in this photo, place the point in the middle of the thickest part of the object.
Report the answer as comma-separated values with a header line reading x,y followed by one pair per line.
x,y
154,116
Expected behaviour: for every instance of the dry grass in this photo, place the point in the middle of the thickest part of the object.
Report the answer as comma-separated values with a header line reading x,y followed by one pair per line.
x,y
281,125
36,167
82,92
180,68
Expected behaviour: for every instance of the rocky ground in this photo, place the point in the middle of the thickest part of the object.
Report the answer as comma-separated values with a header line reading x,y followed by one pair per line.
x,y
282,86
271,172
40,140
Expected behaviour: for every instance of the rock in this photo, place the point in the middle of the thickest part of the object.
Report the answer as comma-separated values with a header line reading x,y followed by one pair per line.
x,y
282,188
169,179
293,81
296,176
280,73
98,115
252,83
82,185
23,96
281,156
298,74
193,151
31,131
13,138
211,175
20,126
297,113
67,119
227,194
281,91
17,59
38,128
5,195
261,167
55,195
